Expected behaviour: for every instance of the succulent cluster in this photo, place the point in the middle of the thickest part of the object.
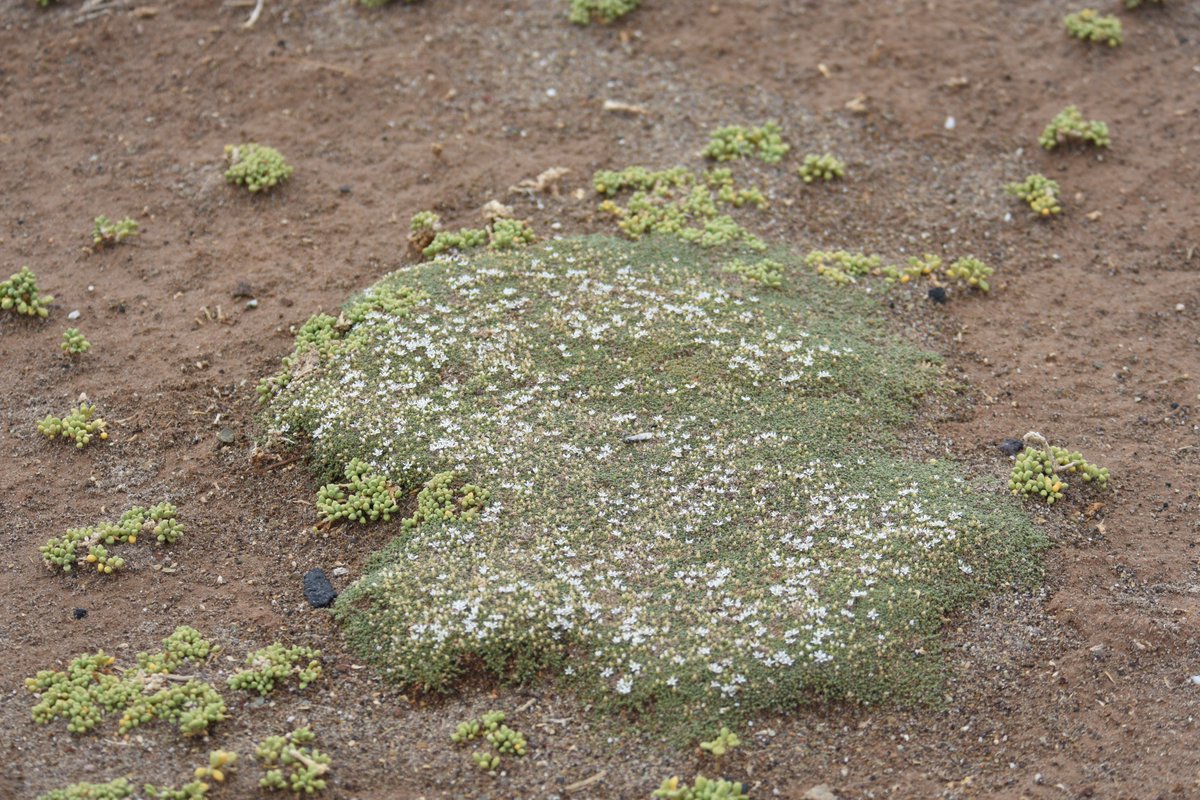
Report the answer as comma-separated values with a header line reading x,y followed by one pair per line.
x,y
81,426
290,765
74,343
106,231
765,271
821,168
88,546
441,500
20,295
1070,126
91,687
724,741
679,202
842,266
701,789
220,764
274,664
256,166
116,789
503,234
1040,192
583,12
1040,470
503,739
971,271
366,496
737,141
184,644
1138,3
1090,25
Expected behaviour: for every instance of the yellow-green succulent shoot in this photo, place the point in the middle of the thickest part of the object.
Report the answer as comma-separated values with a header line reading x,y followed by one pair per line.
x,y
20,295
274,664
737,141
821,168
766,272
701,789
81,425
220,764
1070,126
290,765
584,12
256,166
116,789
1089,25
1041,469
725,741
74,343
841,266
106,231
972,271
1039,192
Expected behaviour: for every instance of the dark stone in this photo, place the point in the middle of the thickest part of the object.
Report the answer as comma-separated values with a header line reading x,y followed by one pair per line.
x,y
226,436
1011,446
318,591
938,294
79,613
344,189
243,289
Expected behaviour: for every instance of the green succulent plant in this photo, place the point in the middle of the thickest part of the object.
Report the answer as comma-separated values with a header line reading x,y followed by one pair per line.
x,y
737,141
365,497
68,551
510,233
724,741
1090,25
116,789
1070,126
20,295
971,271
767,272
1041,469
1039,192
701,789
106,231
81,425
822,168
584,12
275,663
503,739
74,343
256,166
292,766
841,266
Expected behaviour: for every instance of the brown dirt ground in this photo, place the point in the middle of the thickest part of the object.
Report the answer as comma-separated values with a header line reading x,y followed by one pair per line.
x,y
1081,690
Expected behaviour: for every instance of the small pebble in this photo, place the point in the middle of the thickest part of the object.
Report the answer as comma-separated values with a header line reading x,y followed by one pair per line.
x,y
951,124
250,304
938,294
74,315
1012,446
79,613
318,591
226,436
340,571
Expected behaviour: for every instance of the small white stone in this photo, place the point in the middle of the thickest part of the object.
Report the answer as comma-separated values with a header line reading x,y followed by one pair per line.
x,y
950,123
1196,680
552,93
1180,306
74,315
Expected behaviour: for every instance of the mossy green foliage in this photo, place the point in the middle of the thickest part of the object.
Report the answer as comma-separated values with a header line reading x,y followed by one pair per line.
x,y
722,743
116,789
502,739
584,12
256,166
1039,192
1070,126
701,789
19,294
1090,25
766,271
87,547
822,168
81,426
74,343
679,202
693,509
737,141
92,687
1043,472
106,231
270,666
291,765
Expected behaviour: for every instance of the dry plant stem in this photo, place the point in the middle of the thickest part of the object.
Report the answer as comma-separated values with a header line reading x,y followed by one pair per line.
x,y
1035,439
317,768
258,7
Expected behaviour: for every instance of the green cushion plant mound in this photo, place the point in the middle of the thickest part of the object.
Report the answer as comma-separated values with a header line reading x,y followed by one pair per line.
x,y
1090,25
116,789
693,509
256,166
583,12
1040,192
19,294
822,168
1069,125
738,141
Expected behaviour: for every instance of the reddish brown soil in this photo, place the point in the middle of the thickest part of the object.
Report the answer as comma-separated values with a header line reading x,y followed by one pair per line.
x,y
1091,336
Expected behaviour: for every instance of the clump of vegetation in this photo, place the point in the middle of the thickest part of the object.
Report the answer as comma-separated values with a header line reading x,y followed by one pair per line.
x,y
736,141
599,385
971,271
1040,470
116,789
256,166
765,271
422,229
462,240
1070,126
81,425
701,789
1138,3
724,741
20,295
220,762
503,234
584,12
1090,25
822,168
440,501
1040,192
292,766
510,233
274,664
503,739
916,267
105,231
74,343
366,496
680,203
841,266
88,546
91,687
